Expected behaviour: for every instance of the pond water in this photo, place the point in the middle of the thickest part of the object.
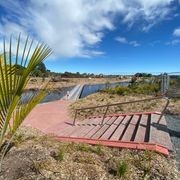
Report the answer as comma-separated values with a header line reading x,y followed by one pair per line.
x,y
90,89
58,94
52,96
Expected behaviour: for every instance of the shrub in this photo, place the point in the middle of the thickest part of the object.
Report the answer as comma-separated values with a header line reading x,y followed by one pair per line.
x,y
136,88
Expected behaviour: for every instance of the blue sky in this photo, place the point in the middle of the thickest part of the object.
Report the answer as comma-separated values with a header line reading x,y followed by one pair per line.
x,y
100,36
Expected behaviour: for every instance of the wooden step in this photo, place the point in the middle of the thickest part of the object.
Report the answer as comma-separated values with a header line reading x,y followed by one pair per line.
x,y
96,129
84,126
118,132
112,128
103,129
128,135
141,135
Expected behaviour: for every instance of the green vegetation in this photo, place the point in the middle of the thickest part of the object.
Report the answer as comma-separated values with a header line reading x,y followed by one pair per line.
x,y
14,76
40,70
135,88
122,168
60,155
143,75
94,149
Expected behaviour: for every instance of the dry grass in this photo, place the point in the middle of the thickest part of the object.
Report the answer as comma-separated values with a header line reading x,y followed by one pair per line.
x,y
105,98
37,157
67,82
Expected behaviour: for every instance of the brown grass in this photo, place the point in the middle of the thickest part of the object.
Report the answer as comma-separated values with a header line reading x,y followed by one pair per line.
x,y
105,98
67,82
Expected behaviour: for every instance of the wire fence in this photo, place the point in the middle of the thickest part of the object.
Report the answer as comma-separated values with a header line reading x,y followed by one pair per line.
x,y
170,84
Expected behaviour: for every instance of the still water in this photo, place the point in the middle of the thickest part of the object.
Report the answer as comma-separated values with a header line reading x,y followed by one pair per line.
x,y
58,94
90,89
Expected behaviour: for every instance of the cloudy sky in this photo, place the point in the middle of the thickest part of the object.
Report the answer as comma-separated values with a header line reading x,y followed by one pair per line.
x,y
99,36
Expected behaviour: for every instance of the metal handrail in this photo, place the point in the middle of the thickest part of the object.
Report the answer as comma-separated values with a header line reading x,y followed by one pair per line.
x,y
122,103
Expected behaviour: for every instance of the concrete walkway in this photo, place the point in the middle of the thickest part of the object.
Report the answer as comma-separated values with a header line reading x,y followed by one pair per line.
x,y
47,117
75,93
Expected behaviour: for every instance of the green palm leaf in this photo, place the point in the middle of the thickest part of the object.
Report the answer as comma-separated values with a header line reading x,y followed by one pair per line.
x,y
13,83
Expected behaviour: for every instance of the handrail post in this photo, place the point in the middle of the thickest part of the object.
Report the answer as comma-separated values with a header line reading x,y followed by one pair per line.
x,y
105,115
164,109
75,117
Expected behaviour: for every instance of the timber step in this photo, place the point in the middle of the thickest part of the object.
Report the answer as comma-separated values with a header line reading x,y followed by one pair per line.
x,y
140,128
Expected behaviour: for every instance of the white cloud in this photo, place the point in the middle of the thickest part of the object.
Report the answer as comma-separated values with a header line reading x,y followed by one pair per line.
x,y
121,40
153,43
134,43
124,40
74,28
173,42
177,32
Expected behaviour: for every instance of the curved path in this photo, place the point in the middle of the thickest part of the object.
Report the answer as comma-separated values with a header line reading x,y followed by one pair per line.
x,y
47,117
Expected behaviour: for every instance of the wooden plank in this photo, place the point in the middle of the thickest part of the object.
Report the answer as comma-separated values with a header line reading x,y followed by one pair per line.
x,y
141,131
159,132
116,135
69,128
81,125
95,129
112,128
130,129
103,129
86,127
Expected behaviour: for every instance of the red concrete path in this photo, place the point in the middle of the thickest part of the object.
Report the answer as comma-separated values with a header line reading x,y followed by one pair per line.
x,y
47,117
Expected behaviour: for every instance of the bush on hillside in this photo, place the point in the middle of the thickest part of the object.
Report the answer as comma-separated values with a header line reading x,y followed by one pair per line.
x,y
137,88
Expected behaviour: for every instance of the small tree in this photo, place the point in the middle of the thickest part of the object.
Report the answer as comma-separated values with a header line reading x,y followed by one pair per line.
x,y
12,85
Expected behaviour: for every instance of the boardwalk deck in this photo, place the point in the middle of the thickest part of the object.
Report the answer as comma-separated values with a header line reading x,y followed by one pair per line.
x,y
139,131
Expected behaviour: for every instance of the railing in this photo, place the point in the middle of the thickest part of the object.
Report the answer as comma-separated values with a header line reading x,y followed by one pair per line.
x,y
122,103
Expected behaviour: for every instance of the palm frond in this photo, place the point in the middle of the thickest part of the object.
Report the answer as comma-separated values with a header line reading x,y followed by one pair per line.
x,y
13,83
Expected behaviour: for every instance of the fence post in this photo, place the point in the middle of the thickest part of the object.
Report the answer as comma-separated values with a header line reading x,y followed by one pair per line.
x,y
164,109
105,115
164,83
75,117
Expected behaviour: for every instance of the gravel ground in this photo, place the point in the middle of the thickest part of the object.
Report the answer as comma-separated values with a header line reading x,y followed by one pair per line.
x,y
173,122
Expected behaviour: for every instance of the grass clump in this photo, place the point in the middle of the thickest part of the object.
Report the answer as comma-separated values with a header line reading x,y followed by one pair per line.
x,y
97,149
60,155
83,147
122,168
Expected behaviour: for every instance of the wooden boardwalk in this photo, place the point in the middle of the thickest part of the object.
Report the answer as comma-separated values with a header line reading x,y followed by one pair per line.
x,y
137,131
132,130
